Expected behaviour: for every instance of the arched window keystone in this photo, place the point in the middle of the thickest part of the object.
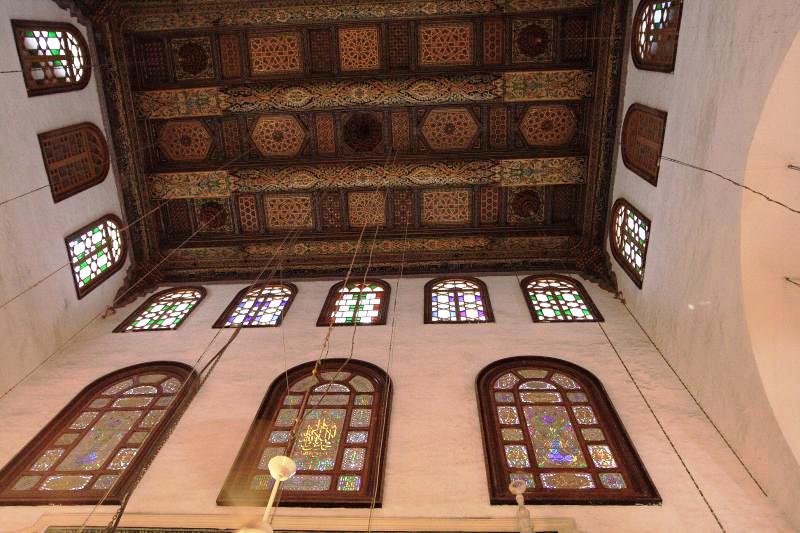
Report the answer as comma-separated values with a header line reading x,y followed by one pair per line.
x,y
550,424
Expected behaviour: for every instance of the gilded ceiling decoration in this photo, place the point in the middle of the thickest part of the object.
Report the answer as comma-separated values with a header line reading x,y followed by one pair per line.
x,y
482,130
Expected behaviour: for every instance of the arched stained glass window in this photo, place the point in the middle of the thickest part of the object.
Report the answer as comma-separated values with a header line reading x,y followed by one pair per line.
x,y
53,55
457,300
95,252
553,298
163,311
655,34
75,157
550,424
364,303
259,306
630,234
98,443
338,446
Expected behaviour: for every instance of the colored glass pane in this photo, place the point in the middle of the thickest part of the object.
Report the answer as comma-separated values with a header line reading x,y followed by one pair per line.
x,y
357,303
94,251
555,443
319,436
457,301
52,57
259,307
556,299
165,311
630,233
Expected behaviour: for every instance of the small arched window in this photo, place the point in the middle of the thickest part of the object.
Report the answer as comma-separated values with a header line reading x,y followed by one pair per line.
x,y
553,298
75,157
97,444
258,307
655,34
550,424
339,444
53,56
629,236
95,252
365,303
163,311
450,300
642,141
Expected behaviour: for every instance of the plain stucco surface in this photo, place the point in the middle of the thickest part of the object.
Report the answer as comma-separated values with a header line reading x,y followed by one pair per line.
x,y
692,302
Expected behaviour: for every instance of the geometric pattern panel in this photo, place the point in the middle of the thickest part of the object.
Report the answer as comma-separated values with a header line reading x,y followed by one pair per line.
x,y
630,234
401,130
445,43
457,300
95,252
330,210
278,135
655,37
574,38
446,207
248,213
321,50
260,306
325,133
289,211
230,56
366,208
498,127
490,205
359,48
213,215
164,311
403,207
551,125
192,58
549,427
493,41
450,129
553,298
357,303
532,40
275,53
75,158
399,45
643,140
96,447
525,205
187,140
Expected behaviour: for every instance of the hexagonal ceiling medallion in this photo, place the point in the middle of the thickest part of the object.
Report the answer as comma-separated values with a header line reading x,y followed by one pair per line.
x,y
185,140
549,125
450,129
278,136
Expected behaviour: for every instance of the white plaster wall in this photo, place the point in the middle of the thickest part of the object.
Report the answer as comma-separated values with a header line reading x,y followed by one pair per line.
x,y
32,227
433,370
692,299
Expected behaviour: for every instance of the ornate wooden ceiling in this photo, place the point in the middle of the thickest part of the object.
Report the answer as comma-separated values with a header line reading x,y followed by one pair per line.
x,y
484,132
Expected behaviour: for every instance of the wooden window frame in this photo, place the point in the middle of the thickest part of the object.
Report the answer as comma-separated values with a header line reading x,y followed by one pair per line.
x,y
123,326
642,63
130,475
34,90
325,319
622,261
83,291
487,303
90,129
587,300
641,489
223,318
652,179
236,490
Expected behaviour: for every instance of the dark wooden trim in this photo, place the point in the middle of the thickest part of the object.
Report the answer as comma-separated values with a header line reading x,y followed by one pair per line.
x,y
578,286
641,63
324,315
661,115
139,310
128,477
81,292
25,25
236,490
91,129
487,304
621,260
640,490
220,322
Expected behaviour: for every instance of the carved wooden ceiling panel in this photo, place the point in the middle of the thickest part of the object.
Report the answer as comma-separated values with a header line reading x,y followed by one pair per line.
x,y
485,133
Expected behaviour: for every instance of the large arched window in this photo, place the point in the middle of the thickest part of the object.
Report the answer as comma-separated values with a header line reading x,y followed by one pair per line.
x,y
75,157
654,43
642,141
449,300
629,236
95,252
550,424
339,444
53,56
553,298
364,303
164,311
258,307
95,447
